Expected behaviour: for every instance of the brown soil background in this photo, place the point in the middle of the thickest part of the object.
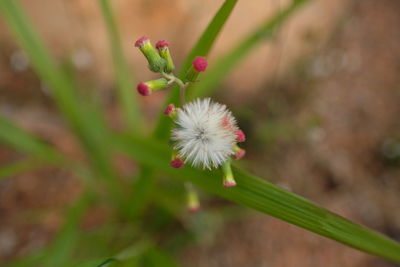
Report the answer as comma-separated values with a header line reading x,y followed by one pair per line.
x,y
320,104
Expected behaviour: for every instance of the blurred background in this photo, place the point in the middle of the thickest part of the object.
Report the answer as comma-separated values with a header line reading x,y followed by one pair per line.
x,y
320,105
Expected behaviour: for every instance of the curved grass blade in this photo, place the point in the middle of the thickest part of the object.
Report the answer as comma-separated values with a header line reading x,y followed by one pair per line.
x,y
84,119
127,98
265,197
202,48
128,257
142,192
215,74
20,167
25,142
61,250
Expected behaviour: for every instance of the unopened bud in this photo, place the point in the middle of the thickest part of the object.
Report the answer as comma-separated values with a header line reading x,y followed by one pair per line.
x,y
146,88
228,179
170,110
239,152
163,50
199,64
240,136
156,63
193,203
176,162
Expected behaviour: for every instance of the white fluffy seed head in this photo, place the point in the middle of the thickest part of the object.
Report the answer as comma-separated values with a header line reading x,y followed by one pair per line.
x,y
204,134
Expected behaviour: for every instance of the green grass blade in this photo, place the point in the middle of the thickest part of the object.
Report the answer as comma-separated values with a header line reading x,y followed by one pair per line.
x,y
157,257
21,140
60,252
202,48
265,197
42,153
84,119
19,167
39,57
141,194
128,257
214,75
127,97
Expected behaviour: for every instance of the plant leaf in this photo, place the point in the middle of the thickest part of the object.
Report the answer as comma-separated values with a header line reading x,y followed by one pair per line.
x,y
25,142
85,119
214,75
127,98
265,197
60,251
19,167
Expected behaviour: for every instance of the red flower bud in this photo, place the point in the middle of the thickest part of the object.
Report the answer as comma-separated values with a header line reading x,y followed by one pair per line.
x,y
161,44
169,109
240,136
143,89
200,64
193,209
240,154
177,163
230,183
140,42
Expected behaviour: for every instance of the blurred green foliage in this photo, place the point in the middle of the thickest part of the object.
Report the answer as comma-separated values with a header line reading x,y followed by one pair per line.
x,y
134,232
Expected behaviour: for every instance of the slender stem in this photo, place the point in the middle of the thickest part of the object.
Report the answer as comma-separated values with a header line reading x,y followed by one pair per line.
x,y
182,86
182,89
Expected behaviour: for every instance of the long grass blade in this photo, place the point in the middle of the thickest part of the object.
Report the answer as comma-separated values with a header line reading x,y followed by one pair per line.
x,y
20,167
23,141
141,194
84,119
61,250
265,197
123,75
214,75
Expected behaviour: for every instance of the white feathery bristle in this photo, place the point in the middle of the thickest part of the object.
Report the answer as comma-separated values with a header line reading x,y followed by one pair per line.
x,y
205,133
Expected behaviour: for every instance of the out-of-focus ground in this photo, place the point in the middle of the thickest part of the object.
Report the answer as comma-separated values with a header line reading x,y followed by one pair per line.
x,y
320,105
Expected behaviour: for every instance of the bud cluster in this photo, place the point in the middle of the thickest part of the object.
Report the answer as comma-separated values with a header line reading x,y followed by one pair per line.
x,y
160,61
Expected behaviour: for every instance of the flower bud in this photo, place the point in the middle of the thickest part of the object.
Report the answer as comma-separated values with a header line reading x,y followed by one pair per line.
x,y
156,63
176,162
228,179
240,136
146,88
171,111
239,152
163,50
193,203
199,64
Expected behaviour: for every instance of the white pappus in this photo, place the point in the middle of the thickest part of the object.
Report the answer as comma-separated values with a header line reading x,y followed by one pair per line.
x,y
205,133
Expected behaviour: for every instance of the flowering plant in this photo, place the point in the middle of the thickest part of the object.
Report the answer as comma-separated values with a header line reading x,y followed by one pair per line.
x,y
205,133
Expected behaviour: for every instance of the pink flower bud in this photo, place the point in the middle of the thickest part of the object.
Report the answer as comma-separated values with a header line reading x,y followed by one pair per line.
x,y
240,154
140,42
193,203
200,64
177,163
143,89
193,209
240,136
228,180
169,109
162,44
229,183
146,88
